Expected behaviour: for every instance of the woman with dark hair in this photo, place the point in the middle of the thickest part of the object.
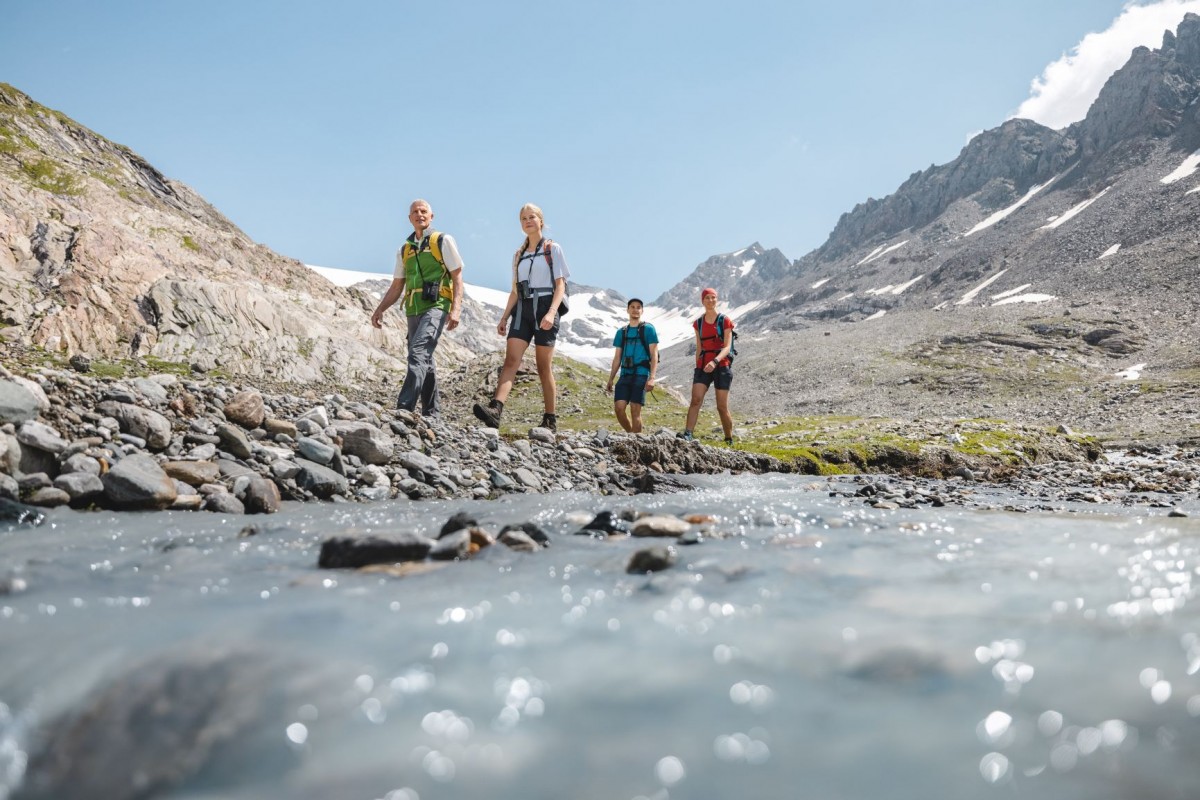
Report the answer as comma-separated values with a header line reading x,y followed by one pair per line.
x,y
539,284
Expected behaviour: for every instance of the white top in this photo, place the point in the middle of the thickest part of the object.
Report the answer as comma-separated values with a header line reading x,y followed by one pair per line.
x,y
537,271
449,255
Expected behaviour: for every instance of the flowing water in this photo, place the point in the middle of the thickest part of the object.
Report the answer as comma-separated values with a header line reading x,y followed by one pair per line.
x,y
811,647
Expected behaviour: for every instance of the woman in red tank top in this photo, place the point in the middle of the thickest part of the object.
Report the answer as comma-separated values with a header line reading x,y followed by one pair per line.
x,y
714,340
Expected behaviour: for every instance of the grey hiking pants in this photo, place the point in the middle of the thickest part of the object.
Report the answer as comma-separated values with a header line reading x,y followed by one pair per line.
x,y
424,331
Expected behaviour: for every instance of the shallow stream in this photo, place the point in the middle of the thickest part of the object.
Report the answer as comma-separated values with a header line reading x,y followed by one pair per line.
x,y
808,647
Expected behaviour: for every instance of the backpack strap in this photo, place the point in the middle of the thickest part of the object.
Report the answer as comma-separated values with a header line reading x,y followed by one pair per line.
x,y
435,247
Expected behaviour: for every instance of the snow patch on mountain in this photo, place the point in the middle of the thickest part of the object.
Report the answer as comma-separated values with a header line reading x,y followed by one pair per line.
x,y
880,252
1004,212
348,277
1184,170
1011,292
1024,298
1073,212
969,296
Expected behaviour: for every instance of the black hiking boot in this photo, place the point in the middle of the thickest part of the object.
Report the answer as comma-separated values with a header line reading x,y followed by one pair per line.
x,y
489,415
550,421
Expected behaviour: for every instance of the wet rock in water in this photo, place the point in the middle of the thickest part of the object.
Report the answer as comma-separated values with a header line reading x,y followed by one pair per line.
x,y
604,522
262,496
83,488
1176,512
48,497
450,546
246,409
651,559
342,552
519,540
902,666
151,729
480,539
458,522
530,529
12,585
138,482
660,525
19,513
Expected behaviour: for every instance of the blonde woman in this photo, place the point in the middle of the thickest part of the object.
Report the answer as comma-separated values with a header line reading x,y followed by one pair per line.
x,y
539,284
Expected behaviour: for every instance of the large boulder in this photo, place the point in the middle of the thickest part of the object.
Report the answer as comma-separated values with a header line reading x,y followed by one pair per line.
x,y
17,403
143,423
366,441
246,409
138,482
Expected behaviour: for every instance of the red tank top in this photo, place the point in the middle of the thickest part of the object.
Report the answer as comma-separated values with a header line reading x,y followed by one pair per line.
x,y
710,342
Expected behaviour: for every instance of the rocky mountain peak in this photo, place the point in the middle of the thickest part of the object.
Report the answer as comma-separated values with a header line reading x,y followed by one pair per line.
x,y
1149,96
740,277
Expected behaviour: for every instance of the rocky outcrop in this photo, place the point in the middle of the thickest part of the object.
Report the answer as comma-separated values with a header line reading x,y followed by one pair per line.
x,y
102,255
1002,164
1149,96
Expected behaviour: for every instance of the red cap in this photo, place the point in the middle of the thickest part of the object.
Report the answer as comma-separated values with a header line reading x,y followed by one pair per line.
x,y
707,290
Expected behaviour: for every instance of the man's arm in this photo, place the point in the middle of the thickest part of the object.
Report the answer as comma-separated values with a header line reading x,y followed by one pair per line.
x,y
393,293
616,365
653,365
454,265
456,303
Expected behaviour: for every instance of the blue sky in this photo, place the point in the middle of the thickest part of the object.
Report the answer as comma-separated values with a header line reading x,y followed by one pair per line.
x,y
653,133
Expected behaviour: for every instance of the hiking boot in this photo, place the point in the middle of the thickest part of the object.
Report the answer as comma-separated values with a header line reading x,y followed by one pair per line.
x,y
686,436
729,441
489,415
550,421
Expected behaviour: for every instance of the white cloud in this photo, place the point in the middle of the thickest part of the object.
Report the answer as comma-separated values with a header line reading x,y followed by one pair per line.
x,y
1066,88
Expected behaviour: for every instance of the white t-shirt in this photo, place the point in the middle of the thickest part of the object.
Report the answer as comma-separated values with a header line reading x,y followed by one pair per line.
x,y
537,271
449,255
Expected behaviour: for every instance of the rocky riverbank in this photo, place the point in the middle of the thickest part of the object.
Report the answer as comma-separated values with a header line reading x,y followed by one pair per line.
x,y
169,442
69,438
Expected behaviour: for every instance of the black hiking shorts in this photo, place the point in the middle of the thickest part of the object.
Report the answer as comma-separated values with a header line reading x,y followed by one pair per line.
x,y
531,322
722,376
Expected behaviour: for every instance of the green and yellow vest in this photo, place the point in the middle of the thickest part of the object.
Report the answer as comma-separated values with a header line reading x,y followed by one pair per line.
x,y
423,262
